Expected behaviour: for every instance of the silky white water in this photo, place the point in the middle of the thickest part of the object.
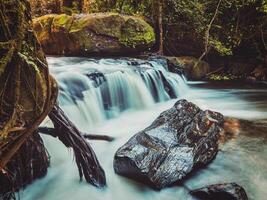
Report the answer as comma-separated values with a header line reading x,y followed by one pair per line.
x,y
122,98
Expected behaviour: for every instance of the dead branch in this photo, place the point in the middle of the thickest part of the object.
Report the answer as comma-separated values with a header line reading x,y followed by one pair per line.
x,y
207,34
52,132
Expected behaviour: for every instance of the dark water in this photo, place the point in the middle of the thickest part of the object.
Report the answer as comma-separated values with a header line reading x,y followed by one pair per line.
x,y
242,160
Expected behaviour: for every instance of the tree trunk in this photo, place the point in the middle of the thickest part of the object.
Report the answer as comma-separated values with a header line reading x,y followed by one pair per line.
x,y
160,24
27,91
27,95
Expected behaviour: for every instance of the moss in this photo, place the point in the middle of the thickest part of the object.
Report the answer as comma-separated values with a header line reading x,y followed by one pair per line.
x,y
137,32
219,47
110,32
221,77
63,22
130,31
102,23
42,26
109,24
7,49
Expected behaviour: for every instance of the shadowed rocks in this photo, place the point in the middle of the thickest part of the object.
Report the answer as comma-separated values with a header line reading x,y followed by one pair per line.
x,y
226,191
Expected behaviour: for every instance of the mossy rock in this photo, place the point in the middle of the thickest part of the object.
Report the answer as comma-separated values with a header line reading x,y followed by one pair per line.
x,y
194,69
136,32
87,34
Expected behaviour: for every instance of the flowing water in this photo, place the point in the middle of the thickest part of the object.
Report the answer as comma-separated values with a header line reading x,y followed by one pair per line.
x,y
119,97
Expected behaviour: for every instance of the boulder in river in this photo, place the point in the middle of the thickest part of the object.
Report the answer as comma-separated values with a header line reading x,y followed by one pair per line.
x,y
180,140
226,191
93,34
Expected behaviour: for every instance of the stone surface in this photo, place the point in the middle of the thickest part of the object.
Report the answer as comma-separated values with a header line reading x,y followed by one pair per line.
x,y
226,191
188,64
180,140
93,34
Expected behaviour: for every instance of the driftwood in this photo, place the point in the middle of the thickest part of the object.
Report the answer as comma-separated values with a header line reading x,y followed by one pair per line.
x,y
52,132
71,137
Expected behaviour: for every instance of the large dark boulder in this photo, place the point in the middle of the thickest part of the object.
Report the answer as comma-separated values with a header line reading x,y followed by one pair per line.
x,y
226,191
180,140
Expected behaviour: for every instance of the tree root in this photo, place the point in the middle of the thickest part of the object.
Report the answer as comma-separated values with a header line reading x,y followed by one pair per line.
x,y
29,163
71,137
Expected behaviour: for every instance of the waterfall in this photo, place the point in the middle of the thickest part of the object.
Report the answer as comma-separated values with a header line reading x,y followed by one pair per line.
x,y
93,90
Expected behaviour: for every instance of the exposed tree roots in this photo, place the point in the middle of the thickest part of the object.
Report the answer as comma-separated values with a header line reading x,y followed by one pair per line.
x,y
71,137
29,163
27,95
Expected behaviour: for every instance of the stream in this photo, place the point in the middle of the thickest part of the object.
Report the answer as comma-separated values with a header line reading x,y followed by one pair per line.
x,y
120,97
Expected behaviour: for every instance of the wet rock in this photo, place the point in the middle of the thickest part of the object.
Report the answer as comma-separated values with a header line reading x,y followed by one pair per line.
x,y
180,140
226,191
97,77
93,34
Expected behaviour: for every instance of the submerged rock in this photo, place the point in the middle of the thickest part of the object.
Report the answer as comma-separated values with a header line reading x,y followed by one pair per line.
x,y
226,191
98,34
178,141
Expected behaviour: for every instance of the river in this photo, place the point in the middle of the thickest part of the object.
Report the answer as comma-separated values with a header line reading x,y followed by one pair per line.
x,y
119,97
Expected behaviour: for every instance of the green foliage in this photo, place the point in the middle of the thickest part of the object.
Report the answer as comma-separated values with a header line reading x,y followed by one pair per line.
x,y
237,21
129,7
217,77
239,27
136,32
219,47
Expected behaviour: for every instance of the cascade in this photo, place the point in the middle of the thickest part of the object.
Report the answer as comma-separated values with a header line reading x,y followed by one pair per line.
x,y
93,90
